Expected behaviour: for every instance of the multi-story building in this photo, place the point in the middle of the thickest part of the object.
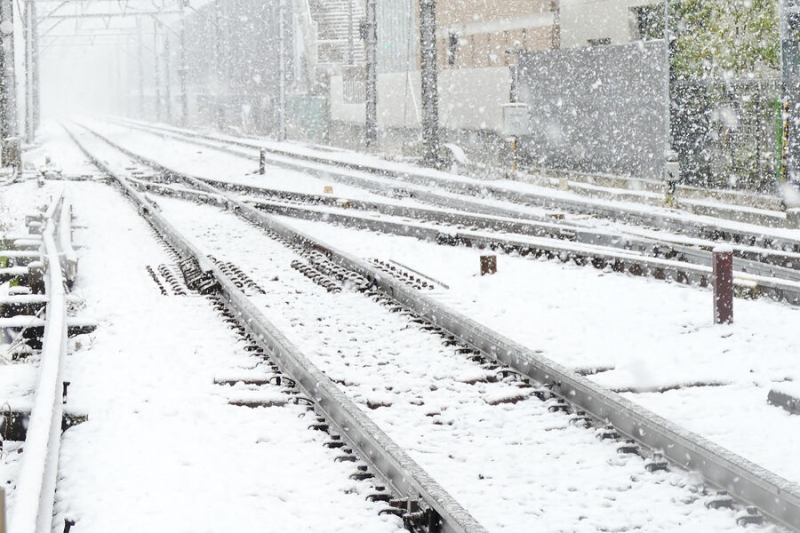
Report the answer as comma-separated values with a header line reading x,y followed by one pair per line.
x,y
477,46
598,22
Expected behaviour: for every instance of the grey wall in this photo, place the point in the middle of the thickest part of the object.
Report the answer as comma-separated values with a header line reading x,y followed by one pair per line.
x,y
599,109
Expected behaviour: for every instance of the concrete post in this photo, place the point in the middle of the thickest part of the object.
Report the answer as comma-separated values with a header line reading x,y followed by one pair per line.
x,y
140,62
282,71
262,161
183,69
167,80
371,106
2,510
723,284
156,75
218,33
430,85
793,218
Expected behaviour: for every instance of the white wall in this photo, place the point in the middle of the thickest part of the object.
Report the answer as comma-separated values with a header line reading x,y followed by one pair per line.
x,y
582,20
468,99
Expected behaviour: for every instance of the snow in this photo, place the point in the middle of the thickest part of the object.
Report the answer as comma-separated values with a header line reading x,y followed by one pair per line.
x,y
163,440
458,429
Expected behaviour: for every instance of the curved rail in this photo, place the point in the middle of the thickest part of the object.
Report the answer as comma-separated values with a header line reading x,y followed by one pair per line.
x,y
777,497
35,493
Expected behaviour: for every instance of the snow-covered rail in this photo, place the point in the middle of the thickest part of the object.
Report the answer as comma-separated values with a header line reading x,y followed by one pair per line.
x,y
357,174
313,207
33,508
775,496
430,507
629,254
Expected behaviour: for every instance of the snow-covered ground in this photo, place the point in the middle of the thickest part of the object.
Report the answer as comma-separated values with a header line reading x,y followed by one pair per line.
x,y
655,336
164,451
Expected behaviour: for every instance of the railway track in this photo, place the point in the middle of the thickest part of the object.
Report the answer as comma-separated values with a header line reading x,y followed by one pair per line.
x,y
714,221
757,273
39,303
587,402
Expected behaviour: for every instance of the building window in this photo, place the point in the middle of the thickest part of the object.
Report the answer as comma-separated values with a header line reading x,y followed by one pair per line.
x,y
599,42
647,22
452,48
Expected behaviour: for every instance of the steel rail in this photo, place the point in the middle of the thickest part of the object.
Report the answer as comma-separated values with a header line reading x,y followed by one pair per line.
x,y
377,449
36,483
693,194
617,213
752,278
754,263
776,497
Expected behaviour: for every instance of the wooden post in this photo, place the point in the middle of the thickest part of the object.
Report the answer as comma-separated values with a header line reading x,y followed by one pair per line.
x,y
488,264
723,284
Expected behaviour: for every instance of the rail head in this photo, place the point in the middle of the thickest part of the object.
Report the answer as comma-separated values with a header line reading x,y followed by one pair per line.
x,y
746,481
375,447
775,496
35,492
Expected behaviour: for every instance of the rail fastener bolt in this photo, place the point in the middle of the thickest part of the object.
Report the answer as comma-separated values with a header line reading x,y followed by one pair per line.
x,y
751,515
629,446
656,462
720,500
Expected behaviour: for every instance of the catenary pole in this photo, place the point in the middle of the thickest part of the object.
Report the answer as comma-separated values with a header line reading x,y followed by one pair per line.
x,y
790,75
183,69
7,113
35,90
140,61
156,74
371,126
167,80
220,108
430,94
282,71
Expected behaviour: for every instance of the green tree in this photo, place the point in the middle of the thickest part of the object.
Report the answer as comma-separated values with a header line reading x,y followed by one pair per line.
x,y
720,38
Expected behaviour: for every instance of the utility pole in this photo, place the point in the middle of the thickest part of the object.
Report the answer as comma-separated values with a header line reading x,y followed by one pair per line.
x,y
140,59
167,82
430,90
282,71
672,171
371,131
182,69
156,75
790,85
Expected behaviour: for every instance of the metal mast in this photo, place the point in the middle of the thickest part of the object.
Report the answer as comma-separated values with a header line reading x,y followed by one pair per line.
x,y
790,86
156,75
371,27
182,70
430,91
282,71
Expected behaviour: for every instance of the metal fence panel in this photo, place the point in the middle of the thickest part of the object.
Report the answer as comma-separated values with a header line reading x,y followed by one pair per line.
x,y
598,109
727,132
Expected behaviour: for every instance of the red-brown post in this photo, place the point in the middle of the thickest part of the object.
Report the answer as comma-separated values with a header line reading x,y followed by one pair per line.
x,y
723,285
